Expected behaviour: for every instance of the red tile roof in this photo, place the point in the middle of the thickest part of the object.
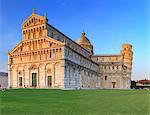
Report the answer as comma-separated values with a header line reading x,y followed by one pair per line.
x,y
144,81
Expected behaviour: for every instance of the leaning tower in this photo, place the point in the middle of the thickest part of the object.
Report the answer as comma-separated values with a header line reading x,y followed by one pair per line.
x,y
127,59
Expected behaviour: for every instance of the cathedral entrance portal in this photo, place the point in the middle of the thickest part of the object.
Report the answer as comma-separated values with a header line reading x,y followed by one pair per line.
x,y
20,81
49,81
113,84
34,79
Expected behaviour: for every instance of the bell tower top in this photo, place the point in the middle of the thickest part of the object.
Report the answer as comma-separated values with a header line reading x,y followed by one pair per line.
x,y
127,54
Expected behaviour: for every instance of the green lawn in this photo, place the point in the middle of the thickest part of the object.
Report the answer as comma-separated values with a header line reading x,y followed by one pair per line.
x,y
74,102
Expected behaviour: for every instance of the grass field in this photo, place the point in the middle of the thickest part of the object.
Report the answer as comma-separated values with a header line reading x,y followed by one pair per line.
x,y
74,102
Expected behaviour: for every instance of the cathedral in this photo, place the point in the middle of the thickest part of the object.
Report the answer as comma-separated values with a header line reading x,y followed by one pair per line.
x,y
47,58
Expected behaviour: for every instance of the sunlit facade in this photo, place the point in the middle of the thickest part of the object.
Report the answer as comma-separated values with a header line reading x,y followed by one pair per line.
x,y
46,58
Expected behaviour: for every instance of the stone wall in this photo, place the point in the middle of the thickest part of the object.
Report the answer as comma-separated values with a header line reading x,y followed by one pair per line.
x,y
113,71
3,80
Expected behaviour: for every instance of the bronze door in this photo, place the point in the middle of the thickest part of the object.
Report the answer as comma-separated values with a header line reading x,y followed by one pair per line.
x,y
34,79
49,81
20,81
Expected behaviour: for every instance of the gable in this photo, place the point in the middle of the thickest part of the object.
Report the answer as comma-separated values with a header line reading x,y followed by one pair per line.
x,y
16,49
33,20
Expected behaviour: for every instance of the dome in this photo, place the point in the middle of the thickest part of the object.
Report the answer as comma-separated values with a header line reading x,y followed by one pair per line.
x,y
84,42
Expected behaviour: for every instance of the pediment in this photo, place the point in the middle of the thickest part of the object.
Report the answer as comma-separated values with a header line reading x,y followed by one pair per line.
x,y
34,19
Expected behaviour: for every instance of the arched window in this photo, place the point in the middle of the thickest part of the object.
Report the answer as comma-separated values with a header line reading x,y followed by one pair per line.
x,y
113,67
50,55
105,77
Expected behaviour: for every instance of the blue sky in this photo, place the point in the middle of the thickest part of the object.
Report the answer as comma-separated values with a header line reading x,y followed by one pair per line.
x,y
107,23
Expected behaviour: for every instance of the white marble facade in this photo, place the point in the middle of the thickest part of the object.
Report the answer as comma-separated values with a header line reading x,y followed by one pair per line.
x,y
46,58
